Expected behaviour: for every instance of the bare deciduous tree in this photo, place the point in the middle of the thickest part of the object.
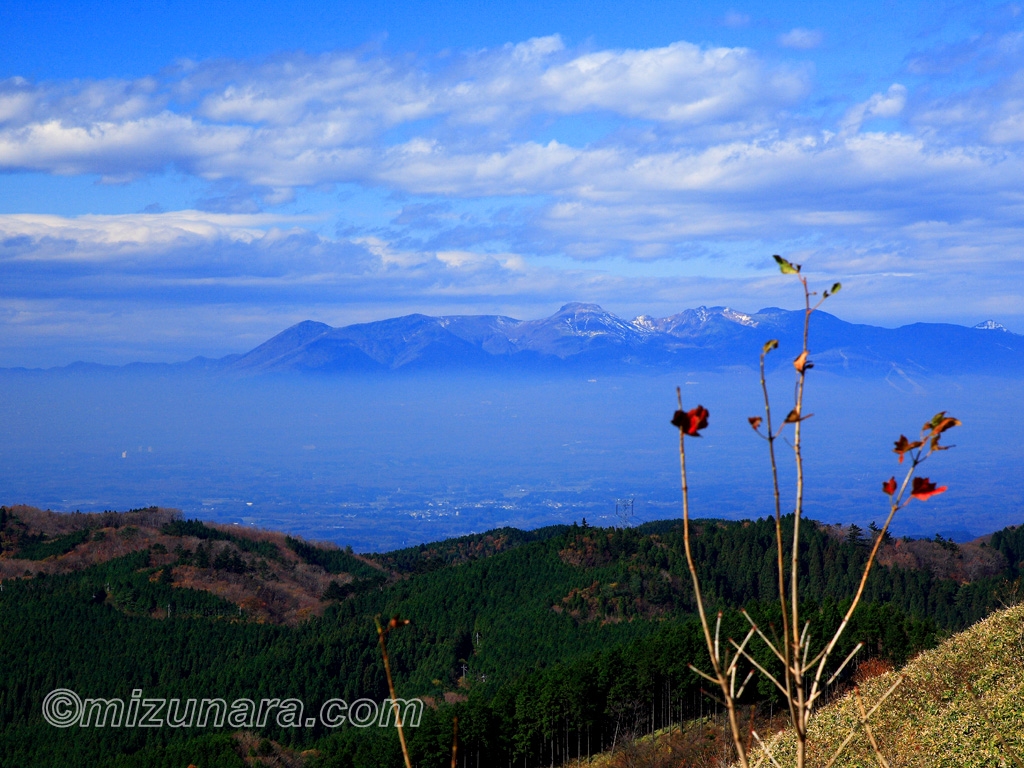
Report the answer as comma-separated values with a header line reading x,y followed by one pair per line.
x,y
802,680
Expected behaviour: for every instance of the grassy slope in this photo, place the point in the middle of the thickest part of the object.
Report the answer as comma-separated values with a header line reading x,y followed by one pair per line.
x,y
933,719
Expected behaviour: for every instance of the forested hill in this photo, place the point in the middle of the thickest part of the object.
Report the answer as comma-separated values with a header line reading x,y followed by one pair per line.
x,y
545,644
258,575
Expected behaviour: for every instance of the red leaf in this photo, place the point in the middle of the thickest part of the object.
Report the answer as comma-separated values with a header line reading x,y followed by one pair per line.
x,y
691,422
889,486
903,445
925,489
755,421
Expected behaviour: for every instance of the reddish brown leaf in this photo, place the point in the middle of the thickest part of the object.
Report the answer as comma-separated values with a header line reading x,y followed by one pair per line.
x,y
691,422
792,417
903,445
940,423
889,486
925,489
802,363
755,421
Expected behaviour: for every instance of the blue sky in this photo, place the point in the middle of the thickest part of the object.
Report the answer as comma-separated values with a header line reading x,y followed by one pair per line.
x,y
190,178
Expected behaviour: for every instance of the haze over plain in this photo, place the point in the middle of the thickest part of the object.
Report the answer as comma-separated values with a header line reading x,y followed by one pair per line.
x,y
192,179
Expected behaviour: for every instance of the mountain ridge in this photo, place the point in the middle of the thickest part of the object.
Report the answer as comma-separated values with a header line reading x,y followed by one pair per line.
x,y
582,336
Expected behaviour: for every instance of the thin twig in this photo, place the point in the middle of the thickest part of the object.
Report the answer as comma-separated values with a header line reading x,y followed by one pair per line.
x,y
762,670
381,632
722,681
867,729
862,721
767,642
780,559
766,752
846,661
455,740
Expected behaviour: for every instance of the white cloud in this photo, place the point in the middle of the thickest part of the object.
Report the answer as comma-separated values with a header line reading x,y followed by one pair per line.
x,y
801,39
17,101
888,104
223,251
124,236
523,169
300,120
679,83
349,97
1009,128
642,204
990,114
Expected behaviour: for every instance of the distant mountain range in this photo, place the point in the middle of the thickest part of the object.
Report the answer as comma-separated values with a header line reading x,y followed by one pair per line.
x,y
585,338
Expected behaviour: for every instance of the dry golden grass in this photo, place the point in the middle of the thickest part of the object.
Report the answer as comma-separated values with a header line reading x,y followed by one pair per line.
x,y
932,721
961,704
705,743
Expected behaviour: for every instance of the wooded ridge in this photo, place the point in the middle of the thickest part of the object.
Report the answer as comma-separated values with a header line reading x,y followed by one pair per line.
x,y
547,644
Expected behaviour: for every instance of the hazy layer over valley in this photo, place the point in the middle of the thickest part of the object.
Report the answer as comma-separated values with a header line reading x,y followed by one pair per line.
x,y
379,462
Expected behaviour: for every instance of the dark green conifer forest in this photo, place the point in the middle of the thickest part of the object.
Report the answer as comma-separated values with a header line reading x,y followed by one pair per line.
x,y
546,644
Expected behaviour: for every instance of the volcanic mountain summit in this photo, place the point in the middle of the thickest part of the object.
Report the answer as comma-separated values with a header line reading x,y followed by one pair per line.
x,y
586,336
